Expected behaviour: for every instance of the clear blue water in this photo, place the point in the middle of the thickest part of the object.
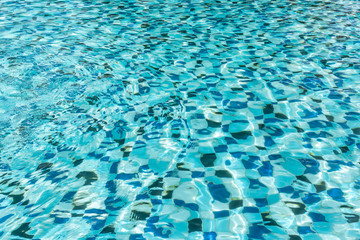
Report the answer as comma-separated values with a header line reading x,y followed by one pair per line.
x,y
176,119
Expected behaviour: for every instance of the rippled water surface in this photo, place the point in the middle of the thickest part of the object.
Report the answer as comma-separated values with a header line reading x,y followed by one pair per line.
x,y
193,119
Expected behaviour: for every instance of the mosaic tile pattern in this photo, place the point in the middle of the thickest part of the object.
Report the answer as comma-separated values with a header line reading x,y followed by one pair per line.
x,y
193,119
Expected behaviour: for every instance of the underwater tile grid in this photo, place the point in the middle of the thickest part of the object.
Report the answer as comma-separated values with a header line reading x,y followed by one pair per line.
x,y
168,119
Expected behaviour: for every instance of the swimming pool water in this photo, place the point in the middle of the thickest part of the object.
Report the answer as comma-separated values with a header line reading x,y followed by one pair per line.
x,y
193,119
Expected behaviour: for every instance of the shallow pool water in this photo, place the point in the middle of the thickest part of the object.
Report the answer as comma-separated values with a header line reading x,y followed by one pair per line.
x,y
193,119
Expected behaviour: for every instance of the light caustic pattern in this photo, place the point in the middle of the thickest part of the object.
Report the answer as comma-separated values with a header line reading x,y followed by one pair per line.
x,y
177,119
